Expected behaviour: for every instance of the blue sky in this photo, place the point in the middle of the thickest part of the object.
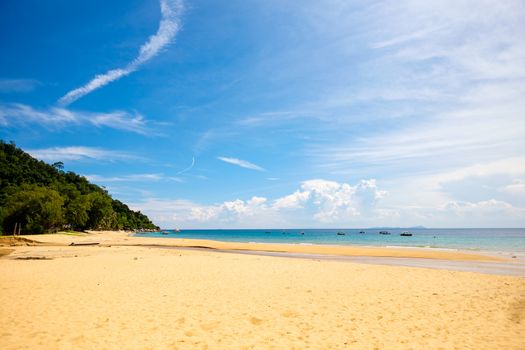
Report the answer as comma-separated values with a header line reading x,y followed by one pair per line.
x,y
207,114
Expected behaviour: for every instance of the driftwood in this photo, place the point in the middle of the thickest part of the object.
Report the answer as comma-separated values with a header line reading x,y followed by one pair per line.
x,y
84,243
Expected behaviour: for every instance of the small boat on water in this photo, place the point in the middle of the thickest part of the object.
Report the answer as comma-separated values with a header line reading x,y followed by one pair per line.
x,y
384,232
341,233
361,232
406,234
302,232
164,232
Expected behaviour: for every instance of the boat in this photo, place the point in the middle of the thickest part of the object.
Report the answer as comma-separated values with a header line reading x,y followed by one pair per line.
x,y
341,233
384,232
164,232
362,232
406,234
302,232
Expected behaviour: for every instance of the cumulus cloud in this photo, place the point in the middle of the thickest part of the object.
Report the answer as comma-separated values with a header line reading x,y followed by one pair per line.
x,y
323,201
168,27
295,200
337,201
241,163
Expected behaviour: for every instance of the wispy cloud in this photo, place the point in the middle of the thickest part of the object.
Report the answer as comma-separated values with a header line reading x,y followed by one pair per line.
x,y
169,25
241,163
77,153
18,85
20,114
153,177
459,99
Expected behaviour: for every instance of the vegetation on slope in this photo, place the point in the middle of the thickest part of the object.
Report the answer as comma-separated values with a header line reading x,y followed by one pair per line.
x,y
38,198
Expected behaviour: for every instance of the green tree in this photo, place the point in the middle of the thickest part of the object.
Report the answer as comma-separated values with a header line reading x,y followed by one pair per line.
x,y
101,214
37,209
31,192
77,212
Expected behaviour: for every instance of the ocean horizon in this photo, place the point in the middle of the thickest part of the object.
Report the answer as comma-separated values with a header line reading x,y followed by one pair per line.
x,y
479,239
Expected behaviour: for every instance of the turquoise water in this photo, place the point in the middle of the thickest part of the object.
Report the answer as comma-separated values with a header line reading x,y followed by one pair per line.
x,y
508,240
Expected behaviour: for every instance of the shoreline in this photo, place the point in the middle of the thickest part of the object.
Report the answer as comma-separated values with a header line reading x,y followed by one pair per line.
x,y
494,263
128,292
130,238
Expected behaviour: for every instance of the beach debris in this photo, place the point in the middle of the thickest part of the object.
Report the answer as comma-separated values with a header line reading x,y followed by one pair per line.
x,y
84,243
33,258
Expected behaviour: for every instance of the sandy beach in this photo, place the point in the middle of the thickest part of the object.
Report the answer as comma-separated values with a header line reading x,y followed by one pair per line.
x,y
127,293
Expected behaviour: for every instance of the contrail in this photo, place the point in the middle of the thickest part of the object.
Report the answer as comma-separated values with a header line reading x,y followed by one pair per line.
x,y
169,25
188,168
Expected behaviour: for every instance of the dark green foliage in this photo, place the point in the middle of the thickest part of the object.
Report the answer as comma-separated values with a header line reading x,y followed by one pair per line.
x,y
43,198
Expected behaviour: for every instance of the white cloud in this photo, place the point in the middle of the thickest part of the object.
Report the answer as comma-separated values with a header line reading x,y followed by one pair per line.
x,y
75,153
446,79
340,202
295,200
18,85
479,213
514,166
517,188
241,163
20,115
317,202
128,178
324,203
168,27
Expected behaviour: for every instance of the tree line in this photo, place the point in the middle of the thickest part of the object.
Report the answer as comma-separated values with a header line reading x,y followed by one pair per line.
x,y
36,197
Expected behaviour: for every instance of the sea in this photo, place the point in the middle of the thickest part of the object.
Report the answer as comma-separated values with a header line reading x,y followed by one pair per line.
x,y
477,239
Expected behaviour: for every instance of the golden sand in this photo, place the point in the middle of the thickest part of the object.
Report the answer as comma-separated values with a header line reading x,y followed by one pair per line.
x,y
135,297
